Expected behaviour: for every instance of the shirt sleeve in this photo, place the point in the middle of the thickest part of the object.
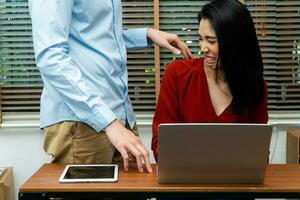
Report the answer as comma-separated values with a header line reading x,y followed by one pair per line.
x,y
51,21
136,38
259,114
167,108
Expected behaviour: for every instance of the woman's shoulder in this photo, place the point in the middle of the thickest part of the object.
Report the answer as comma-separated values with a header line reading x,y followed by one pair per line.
x,y
180,67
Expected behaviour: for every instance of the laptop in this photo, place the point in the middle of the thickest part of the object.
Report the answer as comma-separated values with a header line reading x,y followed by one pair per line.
x,y
213,153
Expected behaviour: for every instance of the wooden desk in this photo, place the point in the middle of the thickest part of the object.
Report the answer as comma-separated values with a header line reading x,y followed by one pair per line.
x,y
281,181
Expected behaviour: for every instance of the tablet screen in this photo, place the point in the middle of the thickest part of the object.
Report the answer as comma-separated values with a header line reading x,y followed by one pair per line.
x,y
90,173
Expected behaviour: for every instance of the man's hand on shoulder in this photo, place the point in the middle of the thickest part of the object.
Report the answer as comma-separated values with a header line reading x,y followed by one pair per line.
x,y
169,41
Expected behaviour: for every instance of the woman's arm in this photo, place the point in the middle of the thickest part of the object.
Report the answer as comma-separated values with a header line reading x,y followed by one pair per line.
x,y
167,108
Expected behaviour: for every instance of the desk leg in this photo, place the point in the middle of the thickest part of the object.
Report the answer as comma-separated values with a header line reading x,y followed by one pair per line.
x,y
32,196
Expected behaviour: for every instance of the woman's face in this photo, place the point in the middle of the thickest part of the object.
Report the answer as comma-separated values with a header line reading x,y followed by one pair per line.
x,y
208,43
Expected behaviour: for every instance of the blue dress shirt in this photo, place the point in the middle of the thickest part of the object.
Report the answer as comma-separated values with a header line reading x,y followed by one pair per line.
x,y
80,49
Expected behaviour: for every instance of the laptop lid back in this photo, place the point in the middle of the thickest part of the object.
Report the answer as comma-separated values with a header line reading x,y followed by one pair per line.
x,y
213,153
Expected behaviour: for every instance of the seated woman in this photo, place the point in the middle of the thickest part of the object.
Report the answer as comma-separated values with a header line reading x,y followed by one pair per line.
x,y
227,85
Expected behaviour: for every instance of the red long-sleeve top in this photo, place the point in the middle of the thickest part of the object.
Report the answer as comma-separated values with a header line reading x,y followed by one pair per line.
x,y
184,98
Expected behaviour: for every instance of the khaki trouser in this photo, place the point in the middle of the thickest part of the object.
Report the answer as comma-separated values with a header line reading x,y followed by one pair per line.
x,y
77,143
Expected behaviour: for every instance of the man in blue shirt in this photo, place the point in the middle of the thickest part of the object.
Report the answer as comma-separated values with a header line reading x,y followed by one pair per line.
x,y
80,50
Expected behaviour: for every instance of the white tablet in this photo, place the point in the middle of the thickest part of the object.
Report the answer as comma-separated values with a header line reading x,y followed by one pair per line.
x,y
89,173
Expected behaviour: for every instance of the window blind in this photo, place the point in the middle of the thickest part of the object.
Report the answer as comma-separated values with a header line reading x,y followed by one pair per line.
x,y
264,17
21,84
278,29
288,55
141,70
277,24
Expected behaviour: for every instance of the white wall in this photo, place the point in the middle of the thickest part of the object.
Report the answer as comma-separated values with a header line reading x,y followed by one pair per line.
x,y
21,148
278,146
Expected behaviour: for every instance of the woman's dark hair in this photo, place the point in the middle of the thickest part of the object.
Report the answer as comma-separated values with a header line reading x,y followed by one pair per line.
x,y
239,52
